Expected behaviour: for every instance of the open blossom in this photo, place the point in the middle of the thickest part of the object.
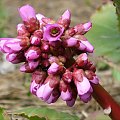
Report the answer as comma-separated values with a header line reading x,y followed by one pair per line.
x,y
55,53
52,32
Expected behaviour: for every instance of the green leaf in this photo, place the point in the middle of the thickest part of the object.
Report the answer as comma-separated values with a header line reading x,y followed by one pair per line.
x,y
37,113
3,114
105,35
116,74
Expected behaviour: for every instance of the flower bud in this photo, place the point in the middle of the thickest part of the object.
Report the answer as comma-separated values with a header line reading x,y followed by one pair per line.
x,y
81,29
65,19
22,31
29,66
16,44
46,89
33,53
39,76
67,76
33,87
82,60
66,93
54,96
71,42
92,76
28,16
81,82
15,57
53,69
35,40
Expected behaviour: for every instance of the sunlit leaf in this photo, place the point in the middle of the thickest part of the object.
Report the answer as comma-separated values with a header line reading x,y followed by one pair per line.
x,y
37,113
105,35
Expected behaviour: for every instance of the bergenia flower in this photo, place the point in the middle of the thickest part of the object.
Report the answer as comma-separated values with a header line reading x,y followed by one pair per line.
x,y
52,32
55,53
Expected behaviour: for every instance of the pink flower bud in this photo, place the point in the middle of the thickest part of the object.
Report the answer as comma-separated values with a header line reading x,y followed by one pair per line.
x,y
45,47
82,60
35,40
67,76
65,19
82,28
81,82
46,89
22,31
40,17
38,33
28,16
15,57
87,26
33,53
84,41
71,102
92,76
71,42
16,44
54,96
29,66
53,69
52,32
87,96
39,76
66,92
34,87
2,44
53,59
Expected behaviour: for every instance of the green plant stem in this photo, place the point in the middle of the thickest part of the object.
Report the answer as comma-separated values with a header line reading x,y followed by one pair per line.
x,y
105,100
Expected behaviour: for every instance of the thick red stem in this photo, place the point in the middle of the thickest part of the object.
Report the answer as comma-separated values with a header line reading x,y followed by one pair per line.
x,y
105,101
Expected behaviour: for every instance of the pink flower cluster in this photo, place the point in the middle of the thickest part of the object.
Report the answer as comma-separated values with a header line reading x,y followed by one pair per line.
x,y
55,54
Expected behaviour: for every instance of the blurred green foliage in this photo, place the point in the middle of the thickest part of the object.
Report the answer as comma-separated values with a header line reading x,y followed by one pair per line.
x,y
43,113
3,19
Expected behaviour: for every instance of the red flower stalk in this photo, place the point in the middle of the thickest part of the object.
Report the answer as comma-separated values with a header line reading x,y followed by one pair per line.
x,y
110,106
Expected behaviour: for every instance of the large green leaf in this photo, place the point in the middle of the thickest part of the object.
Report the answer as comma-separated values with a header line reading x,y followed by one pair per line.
x,y
105,35
37,113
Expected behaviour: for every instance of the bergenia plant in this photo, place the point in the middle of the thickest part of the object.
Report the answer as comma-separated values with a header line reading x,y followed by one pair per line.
x,y
56,54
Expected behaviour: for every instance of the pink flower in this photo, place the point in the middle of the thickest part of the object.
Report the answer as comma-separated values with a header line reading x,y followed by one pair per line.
x,y
52,32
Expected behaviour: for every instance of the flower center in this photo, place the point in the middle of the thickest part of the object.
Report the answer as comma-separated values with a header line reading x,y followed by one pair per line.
x,y
55,31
